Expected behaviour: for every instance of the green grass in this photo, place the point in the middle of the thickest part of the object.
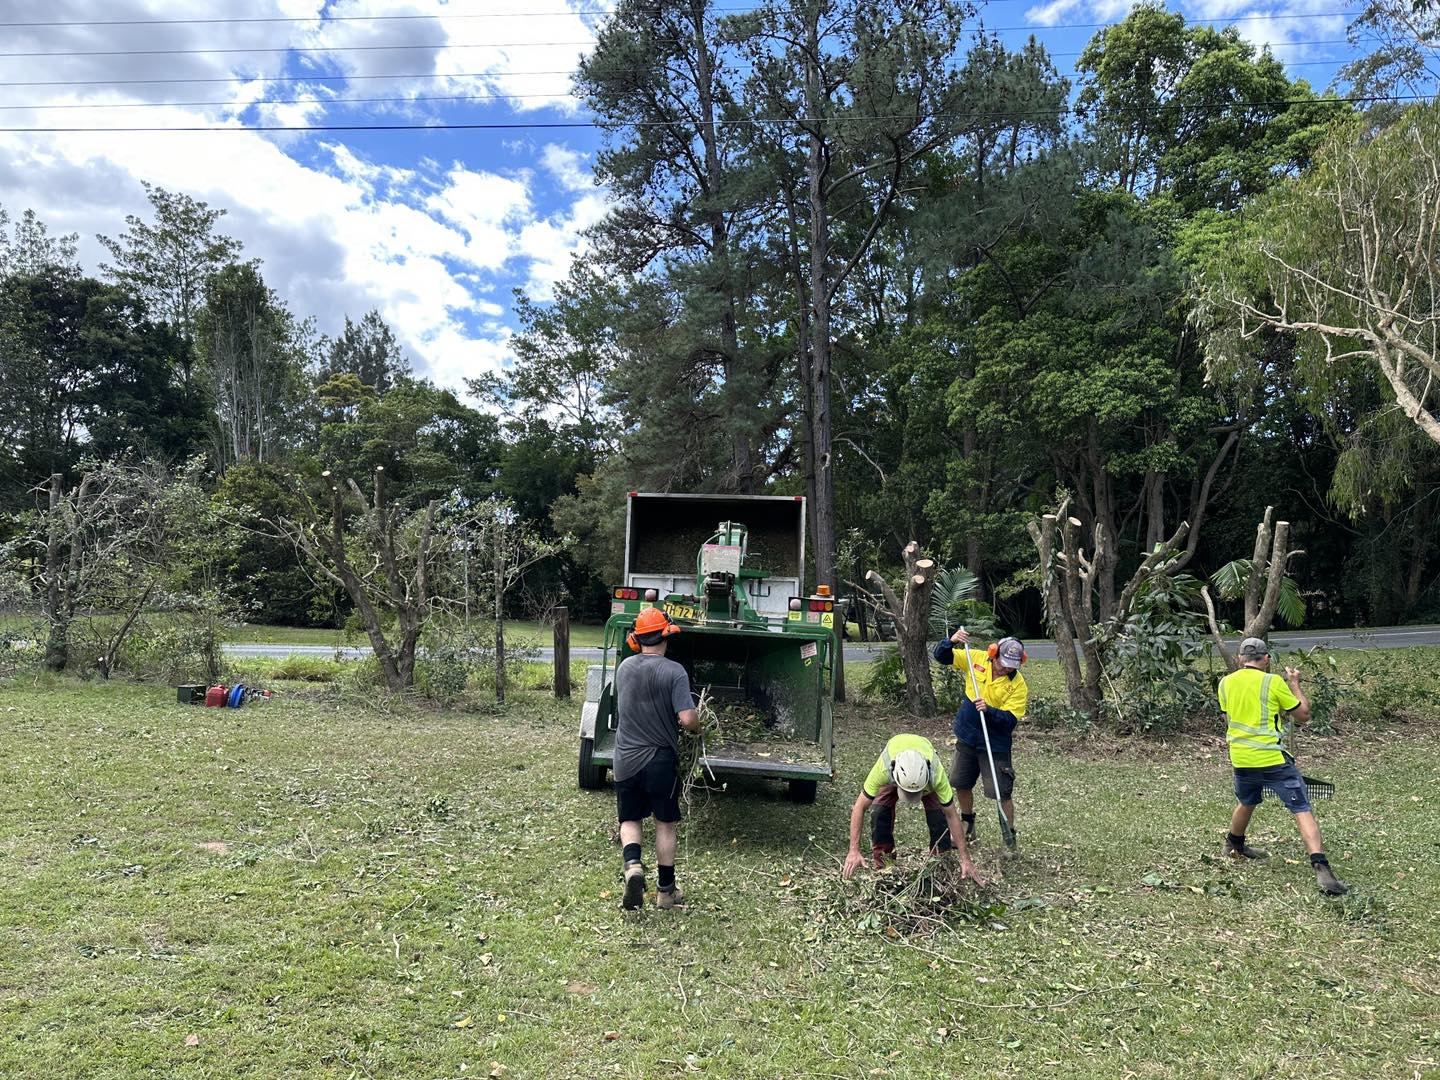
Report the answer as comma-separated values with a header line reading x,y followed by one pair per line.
x,y
520,631
319,889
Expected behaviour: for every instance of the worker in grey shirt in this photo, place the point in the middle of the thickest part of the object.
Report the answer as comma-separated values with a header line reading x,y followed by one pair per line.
x,y
652,701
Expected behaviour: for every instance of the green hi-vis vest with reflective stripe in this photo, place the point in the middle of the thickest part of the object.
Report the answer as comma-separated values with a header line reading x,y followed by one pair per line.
x,y
1254,703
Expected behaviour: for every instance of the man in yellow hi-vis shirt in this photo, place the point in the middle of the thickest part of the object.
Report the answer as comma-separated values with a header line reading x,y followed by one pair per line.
x,y
1254,701
1004,696
907,771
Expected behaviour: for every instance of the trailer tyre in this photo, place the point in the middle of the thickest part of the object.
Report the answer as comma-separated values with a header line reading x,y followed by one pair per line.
x,y
802,791
592,776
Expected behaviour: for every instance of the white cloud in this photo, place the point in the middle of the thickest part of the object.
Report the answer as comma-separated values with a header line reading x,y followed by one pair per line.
x,y
565,165
1051,13
339,231
552,244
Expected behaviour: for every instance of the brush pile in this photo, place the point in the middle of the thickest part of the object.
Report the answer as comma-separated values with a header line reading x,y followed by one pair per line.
x,y
918,897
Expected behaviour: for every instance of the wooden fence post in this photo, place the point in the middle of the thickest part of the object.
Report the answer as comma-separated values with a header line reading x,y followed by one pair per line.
x,y
562,653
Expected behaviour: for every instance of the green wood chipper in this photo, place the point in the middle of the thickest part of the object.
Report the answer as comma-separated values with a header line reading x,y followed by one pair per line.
x,y
729,569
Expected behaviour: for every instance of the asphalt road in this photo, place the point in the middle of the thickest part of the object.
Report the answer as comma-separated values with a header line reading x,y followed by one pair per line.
x,y
1387,637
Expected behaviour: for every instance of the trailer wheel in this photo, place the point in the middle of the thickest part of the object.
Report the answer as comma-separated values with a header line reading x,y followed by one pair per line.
x,y
802,791
592,776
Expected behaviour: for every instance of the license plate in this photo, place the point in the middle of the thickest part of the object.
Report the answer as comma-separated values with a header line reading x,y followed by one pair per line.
x,y
680,611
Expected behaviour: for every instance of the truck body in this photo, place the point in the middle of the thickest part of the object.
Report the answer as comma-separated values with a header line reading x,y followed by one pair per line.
x,y
729,570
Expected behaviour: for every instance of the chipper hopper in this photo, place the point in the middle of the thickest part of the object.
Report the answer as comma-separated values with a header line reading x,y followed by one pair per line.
x,y
729,571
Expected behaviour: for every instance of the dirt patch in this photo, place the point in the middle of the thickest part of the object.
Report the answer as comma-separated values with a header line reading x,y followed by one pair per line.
x,y
582,988
214,847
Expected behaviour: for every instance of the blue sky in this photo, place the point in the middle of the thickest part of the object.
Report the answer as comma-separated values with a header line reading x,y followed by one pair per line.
x,y
432,227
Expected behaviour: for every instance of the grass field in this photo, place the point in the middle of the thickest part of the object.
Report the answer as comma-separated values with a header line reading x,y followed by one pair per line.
x,y
519,630
318,889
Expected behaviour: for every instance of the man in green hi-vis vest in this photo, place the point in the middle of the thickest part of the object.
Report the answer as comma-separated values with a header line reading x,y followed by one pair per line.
x,y
1255,702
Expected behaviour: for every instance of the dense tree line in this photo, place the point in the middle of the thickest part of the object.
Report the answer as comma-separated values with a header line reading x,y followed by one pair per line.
x,y
857,251
918,276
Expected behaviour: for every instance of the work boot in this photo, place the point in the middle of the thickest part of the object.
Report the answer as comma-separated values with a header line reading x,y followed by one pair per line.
x,y
1329,884
634,897
665,899
1243,850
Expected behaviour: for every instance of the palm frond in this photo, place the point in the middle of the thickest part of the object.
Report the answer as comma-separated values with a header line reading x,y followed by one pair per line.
x,y
1291,605
1230,579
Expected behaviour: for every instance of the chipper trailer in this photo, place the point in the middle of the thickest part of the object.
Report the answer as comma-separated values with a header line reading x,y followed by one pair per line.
x,y
729,569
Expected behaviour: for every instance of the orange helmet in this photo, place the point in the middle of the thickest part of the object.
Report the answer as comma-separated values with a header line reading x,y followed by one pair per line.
x,y
651,622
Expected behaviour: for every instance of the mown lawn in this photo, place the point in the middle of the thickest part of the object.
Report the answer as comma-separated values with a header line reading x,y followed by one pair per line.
x,y
322,889
520,631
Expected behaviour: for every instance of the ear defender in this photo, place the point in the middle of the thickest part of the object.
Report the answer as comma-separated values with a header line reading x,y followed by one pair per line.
x,y
632,641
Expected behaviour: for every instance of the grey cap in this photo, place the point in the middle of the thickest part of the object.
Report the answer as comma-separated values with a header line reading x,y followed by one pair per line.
x,y
1252,648
1012,653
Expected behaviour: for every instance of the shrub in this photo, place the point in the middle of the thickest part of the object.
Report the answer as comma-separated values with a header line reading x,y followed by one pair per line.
x,y
886,680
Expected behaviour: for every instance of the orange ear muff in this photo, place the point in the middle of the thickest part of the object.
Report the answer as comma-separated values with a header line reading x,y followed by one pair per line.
x,y
632,641
993,650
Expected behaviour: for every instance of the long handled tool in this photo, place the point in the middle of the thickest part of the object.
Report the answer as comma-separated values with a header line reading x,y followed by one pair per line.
x,y
1007,831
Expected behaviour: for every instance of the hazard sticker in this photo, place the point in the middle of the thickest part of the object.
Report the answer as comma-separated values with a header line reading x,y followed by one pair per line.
x,y
808,650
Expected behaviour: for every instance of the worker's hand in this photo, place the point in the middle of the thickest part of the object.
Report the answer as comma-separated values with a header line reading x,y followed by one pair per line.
x,y
980,703
1292,676
853,862
960,637
967,870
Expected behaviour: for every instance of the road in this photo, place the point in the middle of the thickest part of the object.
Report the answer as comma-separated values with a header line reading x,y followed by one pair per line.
x,y
1385,637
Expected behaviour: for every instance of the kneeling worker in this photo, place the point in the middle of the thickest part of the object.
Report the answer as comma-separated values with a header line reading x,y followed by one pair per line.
x,y
652,699
1003,697
908,771
1253,701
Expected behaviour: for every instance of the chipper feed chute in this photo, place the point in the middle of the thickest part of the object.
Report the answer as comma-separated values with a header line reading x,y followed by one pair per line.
x,y
761,656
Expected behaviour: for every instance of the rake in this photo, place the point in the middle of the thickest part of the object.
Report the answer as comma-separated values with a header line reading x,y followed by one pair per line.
x,y
1318,789
1007,831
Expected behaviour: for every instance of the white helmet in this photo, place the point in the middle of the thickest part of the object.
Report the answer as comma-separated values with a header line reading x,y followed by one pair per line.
x,y
911,772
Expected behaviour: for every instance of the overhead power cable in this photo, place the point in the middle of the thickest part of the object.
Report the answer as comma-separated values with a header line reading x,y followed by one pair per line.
x,y
420,16
346,78
747,121
413,99
1021,28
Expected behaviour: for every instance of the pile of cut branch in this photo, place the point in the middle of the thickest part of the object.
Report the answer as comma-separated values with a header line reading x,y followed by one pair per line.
x,y
918,897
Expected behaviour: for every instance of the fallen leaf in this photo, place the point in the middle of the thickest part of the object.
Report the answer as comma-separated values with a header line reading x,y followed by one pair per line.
x,y
192,1040
497,1070
464,1022
606,894
486,958
611,1036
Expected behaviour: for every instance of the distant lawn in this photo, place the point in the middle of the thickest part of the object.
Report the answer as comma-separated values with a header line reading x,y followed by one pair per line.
x,y
518,630
324,888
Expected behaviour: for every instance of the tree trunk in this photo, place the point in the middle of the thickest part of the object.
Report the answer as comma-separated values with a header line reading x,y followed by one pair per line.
x,y
821,381
742,450
912,624
1062,630
57,639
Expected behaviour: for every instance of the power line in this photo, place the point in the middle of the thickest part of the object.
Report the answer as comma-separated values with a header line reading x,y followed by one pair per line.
x,y
1021,28
298,49
372,48
747,121
409,100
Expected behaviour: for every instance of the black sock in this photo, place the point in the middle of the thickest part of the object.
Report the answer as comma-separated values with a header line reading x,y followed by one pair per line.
x,y
967,817
632,853
1238,841
667,876
1318,860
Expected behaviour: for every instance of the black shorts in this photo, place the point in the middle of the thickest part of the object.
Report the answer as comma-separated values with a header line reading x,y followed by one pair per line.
x,y
655,789
971,765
